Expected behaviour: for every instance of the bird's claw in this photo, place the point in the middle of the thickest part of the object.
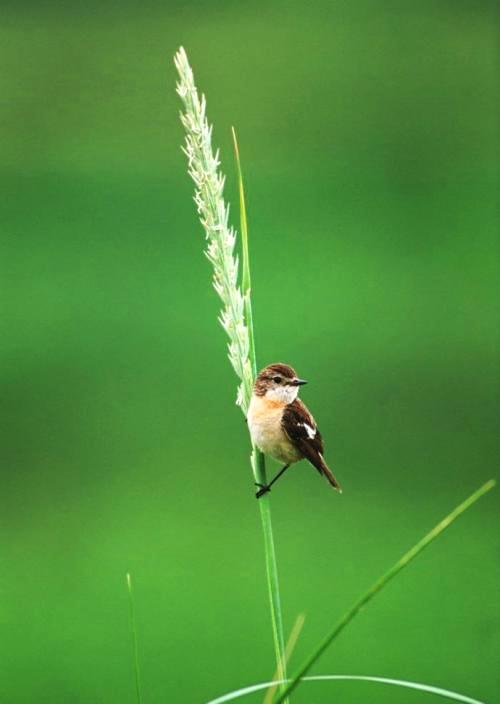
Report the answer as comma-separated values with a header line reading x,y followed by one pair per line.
x,y
264,488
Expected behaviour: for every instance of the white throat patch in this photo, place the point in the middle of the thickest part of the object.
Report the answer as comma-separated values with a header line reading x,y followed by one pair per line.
x,y
286,394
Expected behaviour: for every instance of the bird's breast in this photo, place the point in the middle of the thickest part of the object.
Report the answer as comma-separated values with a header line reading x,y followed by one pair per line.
x,y
264,422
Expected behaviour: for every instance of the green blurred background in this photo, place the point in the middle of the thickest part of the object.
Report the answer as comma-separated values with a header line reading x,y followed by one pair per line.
x,y
368,133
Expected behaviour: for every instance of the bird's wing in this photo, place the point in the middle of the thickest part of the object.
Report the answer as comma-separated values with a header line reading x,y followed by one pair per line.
x,y
301,429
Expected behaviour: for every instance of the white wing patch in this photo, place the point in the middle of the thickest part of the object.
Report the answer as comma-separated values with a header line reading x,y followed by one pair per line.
x,y
311,432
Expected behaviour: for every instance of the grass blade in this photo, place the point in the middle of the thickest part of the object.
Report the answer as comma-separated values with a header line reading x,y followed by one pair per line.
x,y
382,582
430,689
246,282
133,630
289,648
258,460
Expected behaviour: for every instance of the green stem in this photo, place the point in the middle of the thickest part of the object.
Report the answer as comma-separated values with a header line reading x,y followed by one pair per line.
x,y
272,572
258,459
381,583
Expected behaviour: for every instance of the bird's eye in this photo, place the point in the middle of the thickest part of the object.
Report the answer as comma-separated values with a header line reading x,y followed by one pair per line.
x,y
277,380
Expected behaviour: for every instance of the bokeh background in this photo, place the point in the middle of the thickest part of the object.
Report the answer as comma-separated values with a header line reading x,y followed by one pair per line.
x,y
369,139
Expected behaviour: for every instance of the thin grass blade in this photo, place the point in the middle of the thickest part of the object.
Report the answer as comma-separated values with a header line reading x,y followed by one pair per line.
x,y
289,648
258,460
246,282
382,582
135,646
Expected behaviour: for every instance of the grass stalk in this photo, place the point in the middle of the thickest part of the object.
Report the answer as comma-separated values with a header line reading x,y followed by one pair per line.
x,y
133,631
272,582
236,316
381,583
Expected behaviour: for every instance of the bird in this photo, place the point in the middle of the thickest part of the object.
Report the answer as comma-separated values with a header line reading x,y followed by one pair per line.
x,y
282,426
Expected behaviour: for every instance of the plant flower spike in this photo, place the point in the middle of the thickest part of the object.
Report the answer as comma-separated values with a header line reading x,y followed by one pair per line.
x,y
203,167
236,315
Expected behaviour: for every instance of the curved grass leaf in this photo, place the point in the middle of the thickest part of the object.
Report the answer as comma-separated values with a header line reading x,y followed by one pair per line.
x,y
428,688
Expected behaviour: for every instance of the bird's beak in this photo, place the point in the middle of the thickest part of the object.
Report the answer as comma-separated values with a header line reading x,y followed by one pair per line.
x,y
298,382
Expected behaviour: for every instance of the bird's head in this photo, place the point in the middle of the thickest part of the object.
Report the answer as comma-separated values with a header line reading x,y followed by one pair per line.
x,y
278,382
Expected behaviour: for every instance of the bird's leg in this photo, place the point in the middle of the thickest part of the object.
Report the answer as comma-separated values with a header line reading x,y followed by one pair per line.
x,y
264,488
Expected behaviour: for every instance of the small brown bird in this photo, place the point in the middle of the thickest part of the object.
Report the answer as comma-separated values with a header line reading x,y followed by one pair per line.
x,y
281,425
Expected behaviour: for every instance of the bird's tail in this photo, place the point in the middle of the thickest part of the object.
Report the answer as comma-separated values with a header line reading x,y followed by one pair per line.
x,y
325,470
